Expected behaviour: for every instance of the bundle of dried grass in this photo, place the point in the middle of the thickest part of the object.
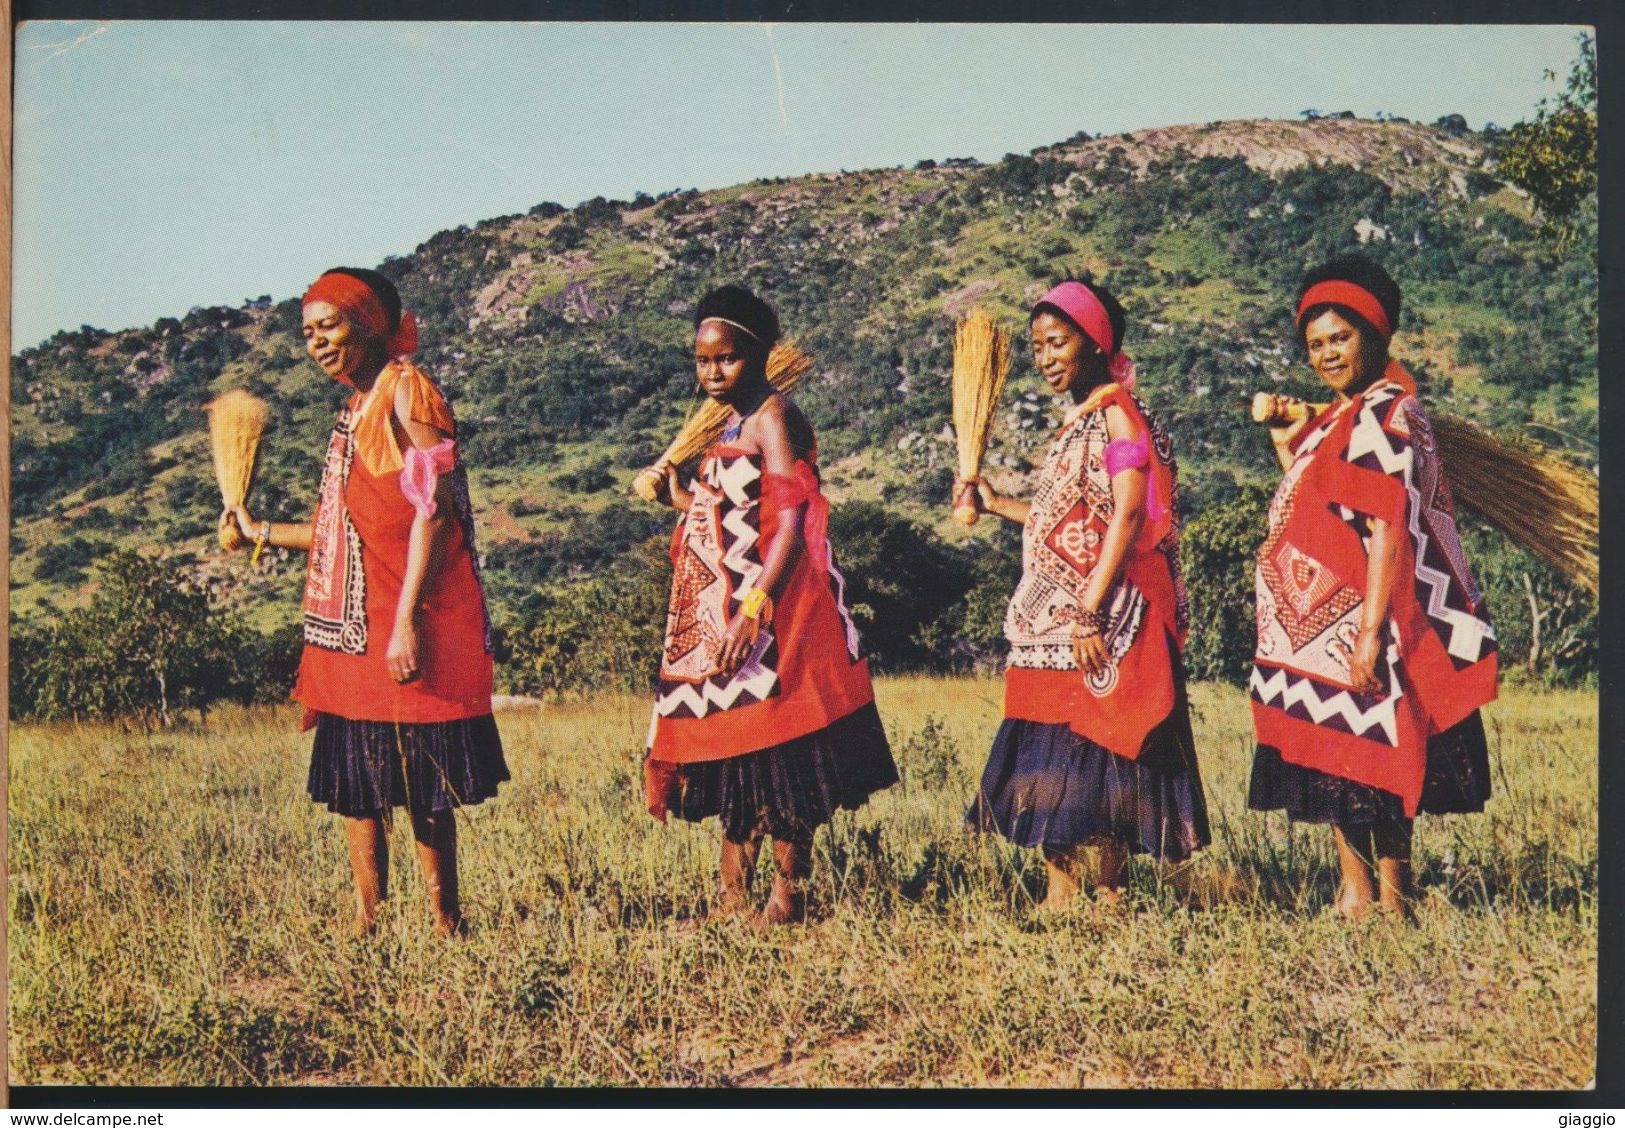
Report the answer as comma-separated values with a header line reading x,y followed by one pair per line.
x,y
1535,497
981,363
236,421
1540,500
786,365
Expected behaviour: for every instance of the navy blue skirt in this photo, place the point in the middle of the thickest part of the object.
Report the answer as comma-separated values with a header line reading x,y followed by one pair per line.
x,y
789,790
1045,785
363,768
1457,782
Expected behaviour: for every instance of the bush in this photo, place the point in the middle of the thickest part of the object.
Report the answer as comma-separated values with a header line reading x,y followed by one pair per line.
x,y
146,646
899,579
1218,552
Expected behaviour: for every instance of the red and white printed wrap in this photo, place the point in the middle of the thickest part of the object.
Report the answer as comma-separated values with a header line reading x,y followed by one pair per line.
x,y
806,670
1373,457
1146,611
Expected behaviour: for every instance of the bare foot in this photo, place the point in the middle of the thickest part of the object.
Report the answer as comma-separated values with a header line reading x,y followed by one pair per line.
x,y
1055,901
783,907
1397,906
1108,896
1351,905
726,905
449,926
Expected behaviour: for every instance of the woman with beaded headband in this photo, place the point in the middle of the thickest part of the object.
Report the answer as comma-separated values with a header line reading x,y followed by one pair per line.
x,y
1374,649
1095,748
764,714
396,672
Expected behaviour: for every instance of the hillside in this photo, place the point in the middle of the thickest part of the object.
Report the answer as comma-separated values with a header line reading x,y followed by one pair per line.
x,y
560,336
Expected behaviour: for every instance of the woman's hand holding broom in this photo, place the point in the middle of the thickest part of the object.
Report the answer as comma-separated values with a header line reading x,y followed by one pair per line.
x,y
238,530
1286,417
976,492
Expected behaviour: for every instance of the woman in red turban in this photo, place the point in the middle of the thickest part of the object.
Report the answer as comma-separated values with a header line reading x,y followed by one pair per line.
x,y
1374,649
396,672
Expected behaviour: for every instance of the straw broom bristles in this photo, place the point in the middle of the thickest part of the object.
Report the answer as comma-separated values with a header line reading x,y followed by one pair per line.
x,y
786,365
1539,500
236,421
981,363
1536,498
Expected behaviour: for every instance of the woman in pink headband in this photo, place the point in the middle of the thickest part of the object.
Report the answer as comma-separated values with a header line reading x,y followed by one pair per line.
x,y
1374,649
396,671
1095,748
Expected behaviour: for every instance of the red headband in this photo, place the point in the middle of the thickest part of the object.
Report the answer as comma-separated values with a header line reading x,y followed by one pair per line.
x,y
1079,303
357,301
1337,291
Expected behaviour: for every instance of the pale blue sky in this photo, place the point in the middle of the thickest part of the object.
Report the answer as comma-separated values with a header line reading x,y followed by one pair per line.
x,y
164,165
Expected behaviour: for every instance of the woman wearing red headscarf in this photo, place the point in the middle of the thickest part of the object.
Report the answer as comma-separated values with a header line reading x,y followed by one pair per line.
x,y
1096,746
1374,649
396,672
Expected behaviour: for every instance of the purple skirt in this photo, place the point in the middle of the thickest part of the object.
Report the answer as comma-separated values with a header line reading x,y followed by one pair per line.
x,y
789,790
1457,782
1045,785
363,768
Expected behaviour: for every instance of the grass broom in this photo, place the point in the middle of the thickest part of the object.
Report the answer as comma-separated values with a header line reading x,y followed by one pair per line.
x,y
1536,498
236,421
786,365
981,363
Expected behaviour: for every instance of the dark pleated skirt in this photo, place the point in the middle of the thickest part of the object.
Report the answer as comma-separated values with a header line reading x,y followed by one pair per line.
x,y
363,768
1457,782
789,790
1045,785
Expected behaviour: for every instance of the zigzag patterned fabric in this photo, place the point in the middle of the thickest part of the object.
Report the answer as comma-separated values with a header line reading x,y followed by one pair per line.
x,y
1372,458
805,670
717,559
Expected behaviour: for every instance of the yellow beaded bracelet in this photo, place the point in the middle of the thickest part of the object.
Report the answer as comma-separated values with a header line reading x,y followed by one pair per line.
x,y
750,604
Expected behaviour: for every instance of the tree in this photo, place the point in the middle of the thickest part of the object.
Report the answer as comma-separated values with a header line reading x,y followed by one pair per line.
x,y
1554,157
145,646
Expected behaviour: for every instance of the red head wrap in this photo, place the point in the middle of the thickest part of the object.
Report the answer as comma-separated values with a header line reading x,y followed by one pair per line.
x,y
357,301
1338,291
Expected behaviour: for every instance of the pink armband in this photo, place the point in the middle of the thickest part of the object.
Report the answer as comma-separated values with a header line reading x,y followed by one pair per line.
x,y
1131,454
421,473
1126,454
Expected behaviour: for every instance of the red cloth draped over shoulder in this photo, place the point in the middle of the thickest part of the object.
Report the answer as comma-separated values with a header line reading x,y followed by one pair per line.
x,y
810,676
453,657
1119,707
1375,460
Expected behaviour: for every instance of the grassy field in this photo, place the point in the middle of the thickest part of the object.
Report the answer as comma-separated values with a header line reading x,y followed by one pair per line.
x,y
179,910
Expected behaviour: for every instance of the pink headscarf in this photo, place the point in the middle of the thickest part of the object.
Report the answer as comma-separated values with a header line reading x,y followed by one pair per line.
x,y
1079,303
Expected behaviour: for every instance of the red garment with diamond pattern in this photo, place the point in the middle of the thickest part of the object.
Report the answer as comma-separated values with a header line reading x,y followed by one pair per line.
x,y
1372,457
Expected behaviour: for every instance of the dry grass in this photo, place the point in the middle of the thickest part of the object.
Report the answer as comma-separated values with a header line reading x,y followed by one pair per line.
x,y
178,912
981,363
236,421
1541,500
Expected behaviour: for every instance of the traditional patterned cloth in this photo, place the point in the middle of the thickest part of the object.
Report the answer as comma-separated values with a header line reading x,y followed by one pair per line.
x,y
1373,457
1045,785
806,671
357,560
1071,510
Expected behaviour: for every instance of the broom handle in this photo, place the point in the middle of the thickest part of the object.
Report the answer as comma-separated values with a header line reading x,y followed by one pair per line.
x,y
1269,409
